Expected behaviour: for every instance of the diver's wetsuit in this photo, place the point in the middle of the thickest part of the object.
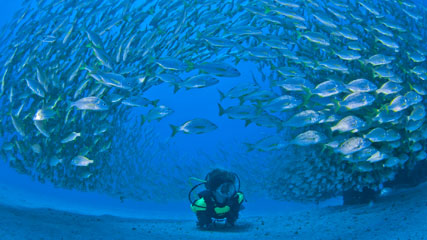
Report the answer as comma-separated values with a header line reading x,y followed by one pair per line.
x,y
206,208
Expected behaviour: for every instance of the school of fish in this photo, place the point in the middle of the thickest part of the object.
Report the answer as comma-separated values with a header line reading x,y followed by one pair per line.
x,y
344,78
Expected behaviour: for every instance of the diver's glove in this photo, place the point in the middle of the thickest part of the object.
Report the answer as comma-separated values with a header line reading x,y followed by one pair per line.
x,y
204,219
233,202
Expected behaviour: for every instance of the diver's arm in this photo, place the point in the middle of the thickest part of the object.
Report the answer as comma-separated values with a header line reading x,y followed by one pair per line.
x,y
203,209
235,206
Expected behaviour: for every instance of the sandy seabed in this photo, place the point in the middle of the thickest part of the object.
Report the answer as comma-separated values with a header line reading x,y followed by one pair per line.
x,y
402,215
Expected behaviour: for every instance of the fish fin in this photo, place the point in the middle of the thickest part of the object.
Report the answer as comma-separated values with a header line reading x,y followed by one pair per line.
x,y
151,10
273,67
70,105
190,66
83,67
155,102
221,95
221,110
307,95
363,62
324,147
236,60
241,100
247,122
337,105
174,129
175,87
249,146
142,119
151,59
254,79
199,35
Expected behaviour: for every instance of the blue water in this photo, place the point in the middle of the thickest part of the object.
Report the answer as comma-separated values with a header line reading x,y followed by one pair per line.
x,y
188,105
184,102
25,191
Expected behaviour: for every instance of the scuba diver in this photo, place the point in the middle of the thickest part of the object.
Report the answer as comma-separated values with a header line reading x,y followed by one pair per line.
x,y
221,200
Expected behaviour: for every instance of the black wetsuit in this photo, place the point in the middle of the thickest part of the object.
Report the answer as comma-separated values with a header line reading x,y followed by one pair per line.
x,y
214,209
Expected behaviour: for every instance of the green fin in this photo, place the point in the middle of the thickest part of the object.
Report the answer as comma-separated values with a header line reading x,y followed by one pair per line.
x,y
337,105
307,95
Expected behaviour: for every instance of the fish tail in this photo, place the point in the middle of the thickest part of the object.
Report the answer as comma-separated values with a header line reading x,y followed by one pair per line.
x,y
236,60
70,105
175,129
241,100
175,87
221,95
151,59
376,39
337,105
254,79
249,146
323,149
247,122
190,66
258,107
83,67
199,35
155,102
142,119
221,110
363,61
307,95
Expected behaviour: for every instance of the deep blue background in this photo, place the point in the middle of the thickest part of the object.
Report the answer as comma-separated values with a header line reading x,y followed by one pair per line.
x,y
196,103
187,105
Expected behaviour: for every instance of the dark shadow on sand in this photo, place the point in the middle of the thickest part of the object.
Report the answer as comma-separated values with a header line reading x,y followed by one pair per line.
x,y
238,228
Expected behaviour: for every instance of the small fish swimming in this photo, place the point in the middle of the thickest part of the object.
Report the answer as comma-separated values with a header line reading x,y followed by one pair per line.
x,y
81,161
90,103
71,137
194,126
309,137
